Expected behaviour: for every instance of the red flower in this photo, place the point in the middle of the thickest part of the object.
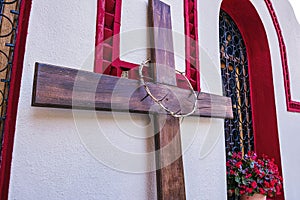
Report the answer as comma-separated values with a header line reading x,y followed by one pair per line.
x,y
256,170
262,174
254,184
238,164
261,191
267,185
277,188
249,190
248,175
272,182
270,194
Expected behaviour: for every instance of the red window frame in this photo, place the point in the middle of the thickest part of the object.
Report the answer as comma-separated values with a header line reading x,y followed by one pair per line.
x,y
107,51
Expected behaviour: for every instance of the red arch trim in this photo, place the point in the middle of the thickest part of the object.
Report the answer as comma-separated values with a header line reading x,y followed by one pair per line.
x,y
260,77
292,106
13,98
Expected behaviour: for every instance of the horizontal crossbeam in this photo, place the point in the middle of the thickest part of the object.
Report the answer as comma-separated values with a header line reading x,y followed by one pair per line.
x,y
61,87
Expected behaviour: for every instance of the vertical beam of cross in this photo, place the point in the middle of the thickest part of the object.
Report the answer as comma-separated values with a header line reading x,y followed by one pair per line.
x,y
170,173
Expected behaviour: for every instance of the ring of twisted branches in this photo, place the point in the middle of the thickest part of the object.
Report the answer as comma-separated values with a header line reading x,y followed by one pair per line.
x,y
159,101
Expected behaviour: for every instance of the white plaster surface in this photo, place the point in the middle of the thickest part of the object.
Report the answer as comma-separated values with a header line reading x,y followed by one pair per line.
x,y
134,25
296,7
58,153
291,33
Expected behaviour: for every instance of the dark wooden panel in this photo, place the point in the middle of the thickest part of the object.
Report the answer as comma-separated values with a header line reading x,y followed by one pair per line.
x,y
162,56
62,87
170,172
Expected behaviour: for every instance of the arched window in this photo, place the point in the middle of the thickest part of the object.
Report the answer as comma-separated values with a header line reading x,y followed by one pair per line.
x,y
235,78
260,80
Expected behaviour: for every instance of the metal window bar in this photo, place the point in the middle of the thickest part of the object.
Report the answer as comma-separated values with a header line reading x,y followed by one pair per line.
x,y
234,70
9,13
1,10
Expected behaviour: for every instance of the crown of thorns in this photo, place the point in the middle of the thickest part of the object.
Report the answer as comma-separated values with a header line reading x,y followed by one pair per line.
x,y
159,101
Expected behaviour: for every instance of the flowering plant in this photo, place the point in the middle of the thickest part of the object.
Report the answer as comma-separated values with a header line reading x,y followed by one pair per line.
x,y
249,175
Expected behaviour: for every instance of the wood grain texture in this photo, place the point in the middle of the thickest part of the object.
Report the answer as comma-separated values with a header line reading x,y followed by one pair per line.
x,y
61,87
170,172
162,53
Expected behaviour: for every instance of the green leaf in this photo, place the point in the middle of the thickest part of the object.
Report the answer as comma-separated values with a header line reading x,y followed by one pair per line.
x,y
243,181
237,191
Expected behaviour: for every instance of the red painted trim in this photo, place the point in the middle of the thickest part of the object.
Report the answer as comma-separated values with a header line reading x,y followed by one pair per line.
x,y
260,76
191,43
292,106
107,52
13,99
100,31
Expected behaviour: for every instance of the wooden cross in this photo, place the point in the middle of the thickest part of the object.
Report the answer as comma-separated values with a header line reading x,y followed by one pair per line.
x,y
169,164
53,87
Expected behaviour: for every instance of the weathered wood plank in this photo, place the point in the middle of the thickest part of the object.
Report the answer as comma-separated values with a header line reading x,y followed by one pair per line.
x,y
61,87
170,172
162,51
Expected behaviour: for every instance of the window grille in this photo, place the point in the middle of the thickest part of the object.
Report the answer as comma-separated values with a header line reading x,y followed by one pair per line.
x,y
234,69
9,12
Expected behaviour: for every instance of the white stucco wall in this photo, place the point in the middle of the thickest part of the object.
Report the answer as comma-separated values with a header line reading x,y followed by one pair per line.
x,y
134,17
291,35
59,154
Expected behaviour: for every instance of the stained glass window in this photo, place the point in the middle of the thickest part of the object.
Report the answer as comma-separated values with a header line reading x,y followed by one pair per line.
x,y
235,78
